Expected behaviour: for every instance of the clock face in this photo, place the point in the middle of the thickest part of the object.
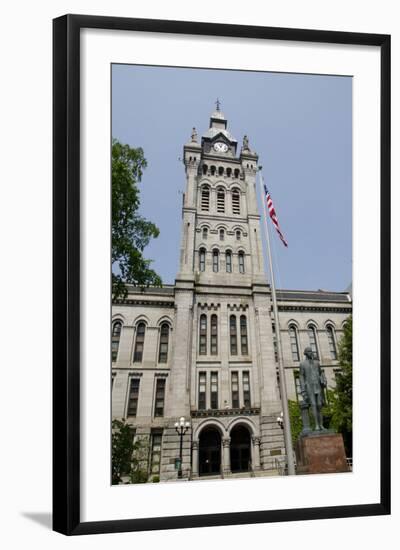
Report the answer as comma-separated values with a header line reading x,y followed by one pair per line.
x,y
220,147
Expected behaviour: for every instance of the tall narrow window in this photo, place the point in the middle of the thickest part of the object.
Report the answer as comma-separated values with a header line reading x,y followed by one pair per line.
x,y
221,171
233,334
235,389
238,235
205,169
214,335
243,335
202,259
133,396
160,397
237,172
220,200
246,388
115,337
205,198
235,202
297,386
205,233
203,335
214,390
215,261
294,345
241,262
164,337
228,262
313,341
202,390
221,235
139,344
331,342
213,170
156,438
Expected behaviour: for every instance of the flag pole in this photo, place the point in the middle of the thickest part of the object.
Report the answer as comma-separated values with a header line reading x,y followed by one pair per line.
x,y
287,431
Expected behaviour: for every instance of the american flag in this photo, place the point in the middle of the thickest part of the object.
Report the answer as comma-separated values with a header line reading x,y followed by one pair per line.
x,y
272,215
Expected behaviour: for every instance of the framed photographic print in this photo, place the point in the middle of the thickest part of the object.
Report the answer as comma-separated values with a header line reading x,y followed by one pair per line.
x,y
221,274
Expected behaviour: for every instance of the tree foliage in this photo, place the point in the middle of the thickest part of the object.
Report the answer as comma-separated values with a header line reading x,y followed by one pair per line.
x,y
131,233
341,397
126,454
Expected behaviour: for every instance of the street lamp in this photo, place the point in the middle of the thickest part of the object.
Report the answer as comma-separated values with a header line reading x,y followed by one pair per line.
x,y
181,428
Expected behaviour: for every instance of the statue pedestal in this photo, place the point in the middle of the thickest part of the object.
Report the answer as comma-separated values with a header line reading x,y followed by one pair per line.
x,y
321,453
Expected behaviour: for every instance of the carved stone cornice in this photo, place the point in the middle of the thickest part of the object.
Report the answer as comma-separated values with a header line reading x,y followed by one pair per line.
x,y
251,411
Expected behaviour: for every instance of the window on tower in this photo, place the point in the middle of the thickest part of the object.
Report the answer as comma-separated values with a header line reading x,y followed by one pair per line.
x,y
221,235
228,261
214,335
220,200
215,261
202,259
237,172
233,334
205,169
205,233
213,170
205,198
229,172
243,335
203,335
241,262
221,171
235,201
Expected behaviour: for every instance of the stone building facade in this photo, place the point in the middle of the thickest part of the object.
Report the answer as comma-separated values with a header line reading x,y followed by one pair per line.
x,y
204,348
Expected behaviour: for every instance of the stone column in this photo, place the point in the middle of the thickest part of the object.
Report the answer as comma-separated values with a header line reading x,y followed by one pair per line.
x,y
256,452
195,458
226,457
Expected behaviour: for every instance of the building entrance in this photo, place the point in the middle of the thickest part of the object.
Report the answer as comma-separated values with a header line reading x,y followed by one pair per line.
x,y
209,452
240,449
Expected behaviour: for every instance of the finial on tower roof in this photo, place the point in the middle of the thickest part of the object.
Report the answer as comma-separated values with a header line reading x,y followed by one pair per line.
x,y
218,104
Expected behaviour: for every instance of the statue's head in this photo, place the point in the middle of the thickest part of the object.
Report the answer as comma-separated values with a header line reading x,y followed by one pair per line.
x,y
308,352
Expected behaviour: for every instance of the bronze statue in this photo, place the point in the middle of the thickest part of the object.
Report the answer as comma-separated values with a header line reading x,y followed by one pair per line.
x,y
312,386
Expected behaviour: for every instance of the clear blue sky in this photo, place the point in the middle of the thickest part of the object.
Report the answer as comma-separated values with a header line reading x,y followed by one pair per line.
x,y
301,127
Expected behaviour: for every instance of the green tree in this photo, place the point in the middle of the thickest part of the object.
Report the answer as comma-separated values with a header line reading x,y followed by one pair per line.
x,y
131,233
295,420
126,455
341,397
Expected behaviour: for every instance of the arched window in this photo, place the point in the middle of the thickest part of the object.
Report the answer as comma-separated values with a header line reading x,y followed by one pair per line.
x,y
205,198
243,335
221,235
220,200
312,335
205,233
229,172
331,342
214,335
202,259
203,335
215,261
115,337
233,334
294,345
221,171
139,344
228,261
235,202
213,170
238,235
237,172
164,338
241,262
205,169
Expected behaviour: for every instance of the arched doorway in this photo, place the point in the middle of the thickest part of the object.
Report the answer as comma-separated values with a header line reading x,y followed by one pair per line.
x,y
240,449
209,452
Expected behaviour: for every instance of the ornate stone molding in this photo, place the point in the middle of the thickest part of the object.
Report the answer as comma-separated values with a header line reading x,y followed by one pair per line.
x,y
226,442
252,411
256,440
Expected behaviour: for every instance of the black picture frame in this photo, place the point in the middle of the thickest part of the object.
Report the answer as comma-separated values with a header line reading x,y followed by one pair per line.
x,y
66,272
